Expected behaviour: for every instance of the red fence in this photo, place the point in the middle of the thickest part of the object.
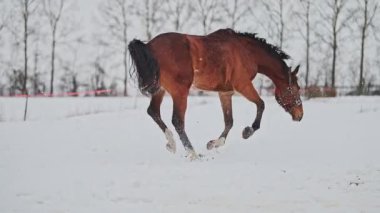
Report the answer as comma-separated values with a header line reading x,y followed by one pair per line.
x,y
67,94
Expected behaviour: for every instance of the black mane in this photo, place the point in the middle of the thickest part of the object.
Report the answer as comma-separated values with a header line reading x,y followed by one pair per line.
x,y
274,50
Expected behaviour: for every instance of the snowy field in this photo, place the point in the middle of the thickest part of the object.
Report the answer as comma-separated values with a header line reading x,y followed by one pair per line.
x,y
106,155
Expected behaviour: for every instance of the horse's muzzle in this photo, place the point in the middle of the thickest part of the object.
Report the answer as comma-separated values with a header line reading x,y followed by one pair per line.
x,y
297,118
297,114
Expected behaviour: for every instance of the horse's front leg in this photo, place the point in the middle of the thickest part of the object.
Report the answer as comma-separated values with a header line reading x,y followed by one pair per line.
x,y
178,120
251,94
225,100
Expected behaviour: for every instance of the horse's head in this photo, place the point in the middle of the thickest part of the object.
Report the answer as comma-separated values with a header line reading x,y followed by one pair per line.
x,y
288,96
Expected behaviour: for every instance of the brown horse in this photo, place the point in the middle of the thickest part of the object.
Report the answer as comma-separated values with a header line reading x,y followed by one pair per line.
x,y
224,61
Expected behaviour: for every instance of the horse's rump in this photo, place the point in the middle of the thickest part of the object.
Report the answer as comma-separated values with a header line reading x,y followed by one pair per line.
x,y
173,56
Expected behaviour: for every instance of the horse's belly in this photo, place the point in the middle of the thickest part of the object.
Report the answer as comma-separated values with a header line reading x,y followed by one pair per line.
x,y
210,83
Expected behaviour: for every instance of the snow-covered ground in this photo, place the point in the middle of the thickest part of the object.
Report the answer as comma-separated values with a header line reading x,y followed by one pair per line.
x,y
106,155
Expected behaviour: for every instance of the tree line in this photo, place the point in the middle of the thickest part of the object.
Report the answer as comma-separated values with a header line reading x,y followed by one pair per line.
x,y
53,46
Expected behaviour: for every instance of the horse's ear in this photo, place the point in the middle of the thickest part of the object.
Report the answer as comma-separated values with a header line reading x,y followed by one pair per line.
x,y
295,72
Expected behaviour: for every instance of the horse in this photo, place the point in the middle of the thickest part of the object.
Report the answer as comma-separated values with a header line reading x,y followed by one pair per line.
x,y
224,61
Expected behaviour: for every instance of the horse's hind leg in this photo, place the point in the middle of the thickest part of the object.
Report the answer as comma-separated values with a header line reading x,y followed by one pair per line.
x,y
178,120
225,100
248,91
154,112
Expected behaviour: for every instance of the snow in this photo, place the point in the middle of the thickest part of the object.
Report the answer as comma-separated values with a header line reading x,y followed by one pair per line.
x,y
107,155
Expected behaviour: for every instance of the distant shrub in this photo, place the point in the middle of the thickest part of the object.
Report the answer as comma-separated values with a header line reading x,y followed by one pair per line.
x,y
317,92
376,92
313,92
329,92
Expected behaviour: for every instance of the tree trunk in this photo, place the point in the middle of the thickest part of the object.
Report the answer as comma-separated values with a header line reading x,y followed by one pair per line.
x,y
35,71
282,24
148,20
125,57
125,49
233,23
204,26
334,62
52,60
307,44
24,89
334,47
361,79
24,92
363,37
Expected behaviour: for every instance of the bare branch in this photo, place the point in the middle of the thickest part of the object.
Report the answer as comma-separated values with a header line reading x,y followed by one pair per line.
x,y
235,11
116,22
179,12
208,13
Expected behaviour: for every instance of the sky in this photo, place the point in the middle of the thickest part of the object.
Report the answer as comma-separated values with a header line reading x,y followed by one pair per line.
x,y
84,13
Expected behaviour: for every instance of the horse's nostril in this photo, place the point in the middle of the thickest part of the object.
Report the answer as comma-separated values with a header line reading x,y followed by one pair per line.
x,y
300,117
297,117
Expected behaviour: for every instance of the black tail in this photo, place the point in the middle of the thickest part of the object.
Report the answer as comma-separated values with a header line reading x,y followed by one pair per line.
x,y
146,65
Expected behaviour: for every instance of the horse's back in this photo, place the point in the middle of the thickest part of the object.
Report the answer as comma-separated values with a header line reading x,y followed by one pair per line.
x,y
208,62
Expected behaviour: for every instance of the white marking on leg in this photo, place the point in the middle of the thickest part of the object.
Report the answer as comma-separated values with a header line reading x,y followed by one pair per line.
x,y
171,145
219,142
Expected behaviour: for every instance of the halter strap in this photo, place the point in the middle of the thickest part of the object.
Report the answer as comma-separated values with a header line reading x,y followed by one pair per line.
x,y
289,93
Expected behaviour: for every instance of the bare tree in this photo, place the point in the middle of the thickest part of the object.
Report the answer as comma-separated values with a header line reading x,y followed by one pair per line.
x,y
334,18
207,13
178,12
367,9
53,12
151,13
235,10
115,14
278,13
70,79
305,30
98,78
26,11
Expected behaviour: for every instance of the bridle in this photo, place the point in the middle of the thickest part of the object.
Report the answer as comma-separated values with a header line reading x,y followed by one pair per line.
x,y
290,94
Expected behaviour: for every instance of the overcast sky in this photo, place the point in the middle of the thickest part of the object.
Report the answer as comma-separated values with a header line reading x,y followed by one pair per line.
x,y
85,13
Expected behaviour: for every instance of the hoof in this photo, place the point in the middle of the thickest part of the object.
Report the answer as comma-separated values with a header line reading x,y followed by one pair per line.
x,y
216,143
192,155
210,145
248,132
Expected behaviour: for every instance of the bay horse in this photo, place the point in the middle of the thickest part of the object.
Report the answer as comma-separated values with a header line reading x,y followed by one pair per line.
x,y
224,61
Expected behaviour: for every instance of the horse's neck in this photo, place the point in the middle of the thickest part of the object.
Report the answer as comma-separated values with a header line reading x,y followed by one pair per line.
x,y
273,70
